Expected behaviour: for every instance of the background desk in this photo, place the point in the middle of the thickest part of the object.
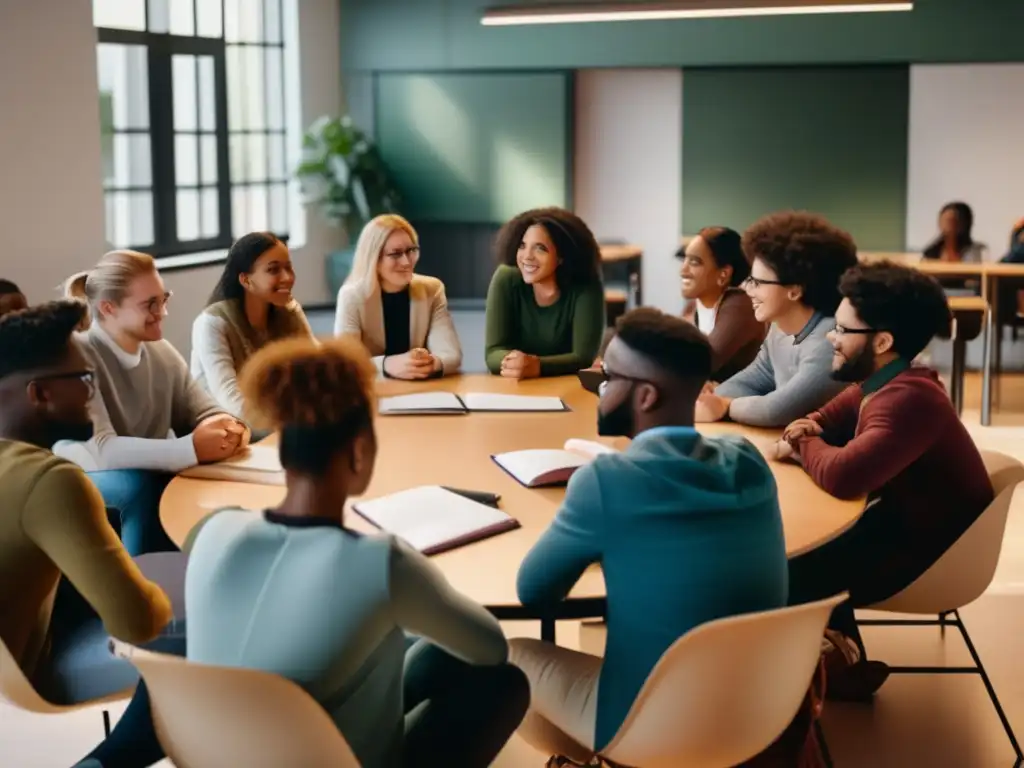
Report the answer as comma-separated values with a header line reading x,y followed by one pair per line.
x,y
456,450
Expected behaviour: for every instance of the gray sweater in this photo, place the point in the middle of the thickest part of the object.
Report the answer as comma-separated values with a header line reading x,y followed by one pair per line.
x,y
790,377
144,408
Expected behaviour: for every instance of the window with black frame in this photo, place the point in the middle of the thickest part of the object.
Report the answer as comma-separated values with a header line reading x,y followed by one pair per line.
x,y
192,110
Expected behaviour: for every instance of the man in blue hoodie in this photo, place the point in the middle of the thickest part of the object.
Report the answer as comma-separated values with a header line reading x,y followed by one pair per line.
x,y
686,528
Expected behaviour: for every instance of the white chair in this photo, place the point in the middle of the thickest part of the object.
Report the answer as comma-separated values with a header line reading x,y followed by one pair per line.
x,y
17,690
960,577
221,717
723,692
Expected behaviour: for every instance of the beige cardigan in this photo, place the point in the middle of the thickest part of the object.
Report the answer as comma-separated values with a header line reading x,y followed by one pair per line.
x,y
360,313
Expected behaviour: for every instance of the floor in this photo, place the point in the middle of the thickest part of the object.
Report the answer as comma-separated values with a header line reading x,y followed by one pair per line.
x,y
940,721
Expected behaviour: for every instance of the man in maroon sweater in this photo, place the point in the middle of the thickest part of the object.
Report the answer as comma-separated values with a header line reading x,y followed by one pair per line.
x,y
895,438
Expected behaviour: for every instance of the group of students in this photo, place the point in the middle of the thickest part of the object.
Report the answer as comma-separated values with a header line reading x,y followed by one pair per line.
x,y
785,330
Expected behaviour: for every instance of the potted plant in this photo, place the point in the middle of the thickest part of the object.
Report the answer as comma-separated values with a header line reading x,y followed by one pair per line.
x,y
343,173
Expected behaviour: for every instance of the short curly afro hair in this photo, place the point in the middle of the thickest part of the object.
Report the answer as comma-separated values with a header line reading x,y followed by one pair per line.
x,y
575,243
673,344
37,337
804,250
903,301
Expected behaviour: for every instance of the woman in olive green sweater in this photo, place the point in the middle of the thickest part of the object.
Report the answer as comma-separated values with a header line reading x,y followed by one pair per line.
x,y
545,305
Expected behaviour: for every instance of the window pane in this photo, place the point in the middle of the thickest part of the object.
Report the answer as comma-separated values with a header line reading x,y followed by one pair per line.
x,y
208,159
140,206
119,14
159,15
188,215
275,92
129,219
252,97
272,21
250,20
124,86
258,208
182,22
186,161
183,78
256,157
209,18
207,95
210,213
130,163
236,87
231,31
279,209
276,154
239,212
237,148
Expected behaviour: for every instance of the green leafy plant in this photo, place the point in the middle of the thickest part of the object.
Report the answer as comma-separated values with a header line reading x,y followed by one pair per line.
x,y
343,173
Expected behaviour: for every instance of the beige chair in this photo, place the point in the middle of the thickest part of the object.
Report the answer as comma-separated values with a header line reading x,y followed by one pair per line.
x,y
960,577
17,690
220,717
724,691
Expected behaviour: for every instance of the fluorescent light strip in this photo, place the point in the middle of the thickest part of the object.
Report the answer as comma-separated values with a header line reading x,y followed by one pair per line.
x,y
525,16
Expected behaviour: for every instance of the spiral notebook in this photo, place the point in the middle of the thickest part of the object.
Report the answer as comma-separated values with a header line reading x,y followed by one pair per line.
x,y
433,519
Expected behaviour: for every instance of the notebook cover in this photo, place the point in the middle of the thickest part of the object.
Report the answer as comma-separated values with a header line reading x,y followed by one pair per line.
x,y
520,410
556,484
428,411
590,379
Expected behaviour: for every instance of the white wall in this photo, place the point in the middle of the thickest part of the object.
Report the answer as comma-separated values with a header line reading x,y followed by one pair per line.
x,y
966,124
51,197
627,167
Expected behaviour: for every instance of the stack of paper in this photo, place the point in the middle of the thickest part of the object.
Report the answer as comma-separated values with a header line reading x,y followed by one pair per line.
x,y
256,464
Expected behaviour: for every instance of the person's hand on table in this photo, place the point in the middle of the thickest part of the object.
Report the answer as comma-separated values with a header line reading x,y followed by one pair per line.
x,y
415,364
711,407
519,365
218,437
801,428
782,450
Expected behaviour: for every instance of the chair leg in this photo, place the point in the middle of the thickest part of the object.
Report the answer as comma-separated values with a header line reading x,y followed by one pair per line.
x,y
819,732
942,623
106,724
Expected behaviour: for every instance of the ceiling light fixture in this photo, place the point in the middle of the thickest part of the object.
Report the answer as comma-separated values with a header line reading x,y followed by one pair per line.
x,y
682,9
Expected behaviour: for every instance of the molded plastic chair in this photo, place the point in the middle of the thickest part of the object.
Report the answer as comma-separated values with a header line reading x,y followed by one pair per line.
x,y
17,690
960,577
222,717
723,692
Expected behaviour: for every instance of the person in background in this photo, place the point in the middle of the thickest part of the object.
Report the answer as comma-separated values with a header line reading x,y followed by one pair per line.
x,y
545,305
714,267
402,318
797,260
1015,255
954,242
251,306
11,298
686,528
262,588
65,579
894,437
144,395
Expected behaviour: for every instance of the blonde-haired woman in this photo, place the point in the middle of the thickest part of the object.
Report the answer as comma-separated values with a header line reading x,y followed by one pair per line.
x,y
150,418
402,318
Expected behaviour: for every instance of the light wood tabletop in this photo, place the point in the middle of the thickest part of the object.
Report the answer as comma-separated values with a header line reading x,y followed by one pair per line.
x,y
455,451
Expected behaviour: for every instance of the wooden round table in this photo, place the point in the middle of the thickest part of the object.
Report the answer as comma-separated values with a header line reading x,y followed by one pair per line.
x,y
456,450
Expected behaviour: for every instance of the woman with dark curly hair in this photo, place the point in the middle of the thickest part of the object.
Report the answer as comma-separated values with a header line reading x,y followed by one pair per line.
x,y
797,260
545,304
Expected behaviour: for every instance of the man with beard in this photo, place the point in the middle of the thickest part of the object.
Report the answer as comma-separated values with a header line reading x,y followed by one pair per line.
x,y
686,528
895,438
54,521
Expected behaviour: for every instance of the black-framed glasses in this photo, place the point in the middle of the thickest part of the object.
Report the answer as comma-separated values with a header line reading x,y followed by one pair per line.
x,y
87,377
611,376
412,252
842,330
156,304
757,282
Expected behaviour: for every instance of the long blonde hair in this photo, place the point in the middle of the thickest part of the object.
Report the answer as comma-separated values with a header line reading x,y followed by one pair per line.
x,y
109,280
371,243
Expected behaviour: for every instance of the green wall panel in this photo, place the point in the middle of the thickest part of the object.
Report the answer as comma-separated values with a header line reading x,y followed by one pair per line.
x,y
476,148
828,139
447,34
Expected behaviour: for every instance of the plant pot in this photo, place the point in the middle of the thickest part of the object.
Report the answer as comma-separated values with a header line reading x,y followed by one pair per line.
x,y
337,265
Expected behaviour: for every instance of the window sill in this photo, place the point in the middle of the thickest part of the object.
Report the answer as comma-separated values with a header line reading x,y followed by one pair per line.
x,y
192,260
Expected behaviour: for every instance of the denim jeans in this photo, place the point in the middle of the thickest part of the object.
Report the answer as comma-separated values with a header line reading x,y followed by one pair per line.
x,y
133,495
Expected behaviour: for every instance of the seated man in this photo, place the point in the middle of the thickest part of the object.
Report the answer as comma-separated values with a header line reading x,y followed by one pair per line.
x,y
54,521
895,438
798,259
11,298
687,529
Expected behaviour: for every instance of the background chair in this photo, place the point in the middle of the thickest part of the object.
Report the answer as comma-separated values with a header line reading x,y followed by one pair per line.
x,y
723,692
960,577
219,717
17,690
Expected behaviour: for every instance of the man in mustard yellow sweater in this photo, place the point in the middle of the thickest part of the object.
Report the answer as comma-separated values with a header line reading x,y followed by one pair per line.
x,y
54,521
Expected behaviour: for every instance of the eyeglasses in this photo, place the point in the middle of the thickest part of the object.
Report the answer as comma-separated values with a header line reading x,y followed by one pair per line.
x,y
610,376
156,304
842,330
756,282
413,253
87,377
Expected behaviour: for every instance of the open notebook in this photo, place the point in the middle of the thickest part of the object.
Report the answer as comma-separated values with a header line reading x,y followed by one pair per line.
x,y
450,403
536,468
257,464
434,519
